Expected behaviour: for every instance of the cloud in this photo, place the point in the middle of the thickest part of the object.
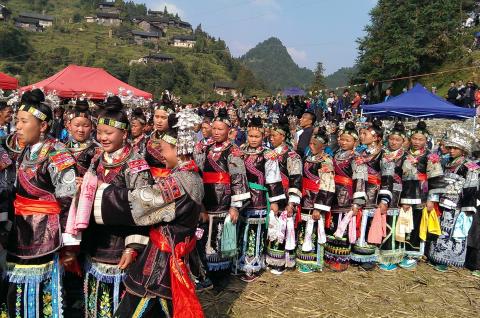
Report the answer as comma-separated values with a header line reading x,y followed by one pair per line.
x,y
299,56
172,8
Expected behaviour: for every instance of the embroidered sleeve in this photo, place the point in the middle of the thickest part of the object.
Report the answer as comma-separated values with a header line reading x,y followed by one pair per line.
x,y
294,168
360,177
324,198
436,183
326,175
148,199
238,178
63,180
468,199
387,168
273,178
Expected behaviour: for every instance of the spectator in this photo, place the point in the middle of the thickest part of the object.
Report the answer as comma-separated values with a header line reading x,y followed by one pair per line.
x,y
357,99
306,123
477,98
388,94
58,123
331,104
469,96
452,93
6,116
344,103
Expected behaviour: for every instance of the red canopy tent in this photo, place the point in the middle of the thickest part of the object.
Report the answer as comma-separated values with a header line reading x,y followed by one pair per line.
x,y
73,81
8,82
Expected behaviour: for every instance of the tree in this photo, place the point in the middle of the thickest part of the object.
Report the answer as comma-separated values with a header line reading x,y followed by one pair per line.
x,y
319,78
405,38
14,43
77,17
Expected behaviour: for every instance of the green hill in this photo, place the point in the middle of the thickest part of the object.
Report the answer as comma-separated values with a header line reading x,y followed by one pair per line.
x,y
341,77
32,56
271,63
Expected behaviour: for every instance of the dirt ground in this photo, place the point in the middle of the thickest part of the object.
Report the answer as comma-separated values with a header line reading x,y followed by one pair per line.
x,y
354,293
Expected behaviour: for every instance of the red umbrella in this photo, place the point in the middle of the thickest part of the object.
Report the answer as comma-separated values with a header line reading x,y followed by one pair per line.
x,y
8,82
73,81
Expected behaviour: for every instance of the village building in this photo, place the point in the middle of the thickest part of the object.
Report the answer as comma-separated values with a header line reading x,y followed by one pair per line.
x,y
108,19
141,37
225,88
184,41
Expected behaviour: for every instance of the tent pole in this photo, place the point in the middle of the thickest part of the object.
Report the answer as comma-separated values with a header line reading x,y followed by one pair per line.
x,y
474,124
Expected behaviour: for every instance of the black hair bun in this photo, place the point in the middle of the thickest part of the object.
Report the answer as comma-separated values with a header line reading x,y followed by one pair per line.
x,y
283,121
33,97
209,114
421,125
113,103
322,130
399,126
322,133
81,105
349,126
137,112
377,124
222,113
255,122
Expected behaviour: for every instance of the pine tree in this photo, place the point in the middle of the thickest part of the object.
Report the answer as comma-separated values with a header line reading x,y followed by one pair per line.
x,y
319,78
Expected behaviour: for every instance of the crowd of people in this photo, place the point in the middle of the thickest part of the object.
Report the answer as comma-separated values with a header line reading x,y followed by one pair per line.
x,y
150,206
464,95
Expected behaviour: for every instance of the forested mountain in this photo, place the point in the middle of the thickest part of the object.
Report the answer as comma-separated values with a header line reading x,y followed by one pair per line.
x,y
271,63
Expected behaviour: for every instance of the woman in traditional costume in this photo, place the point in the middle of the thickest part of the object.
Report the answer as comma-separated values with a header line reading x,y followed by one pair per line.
x,y
458,203
226,194
158,283
266,190
45,187
367,179
111,249
281,232
390,250
163,119
422,178
340,225
81,144
318,192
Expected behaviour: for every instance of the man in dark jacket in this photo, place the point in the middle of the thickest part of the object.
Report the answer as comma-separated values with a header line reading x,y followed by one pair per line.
x,y
469,96
306,122
452,93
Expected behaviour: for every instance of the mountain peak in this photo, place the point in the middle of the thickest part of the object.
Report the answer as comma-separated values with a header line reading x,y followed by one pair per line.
x,y
271,62
272,40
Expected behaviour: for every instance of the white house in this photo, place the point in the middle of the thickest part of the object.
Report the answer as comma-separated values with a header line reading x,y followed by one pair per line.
x,y
185,41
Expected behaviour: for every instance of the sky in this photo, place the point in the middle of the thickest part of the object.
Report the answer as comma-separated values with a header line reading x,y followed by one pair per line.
x,y
312,30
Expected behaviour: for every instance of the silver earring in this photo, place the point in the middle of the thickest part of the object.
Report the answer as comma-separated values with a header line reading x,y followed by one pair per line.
x,y
42,136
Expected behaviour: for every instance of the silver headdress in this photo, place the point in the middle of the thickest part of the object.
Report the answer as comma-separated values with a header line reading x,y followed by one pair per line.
x,y
461,138
186,136
12,99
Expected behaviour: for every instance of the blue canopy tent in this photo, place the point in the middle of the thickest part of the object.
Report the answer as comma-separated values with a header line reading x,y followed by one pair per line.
x,y
418,103
293,91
